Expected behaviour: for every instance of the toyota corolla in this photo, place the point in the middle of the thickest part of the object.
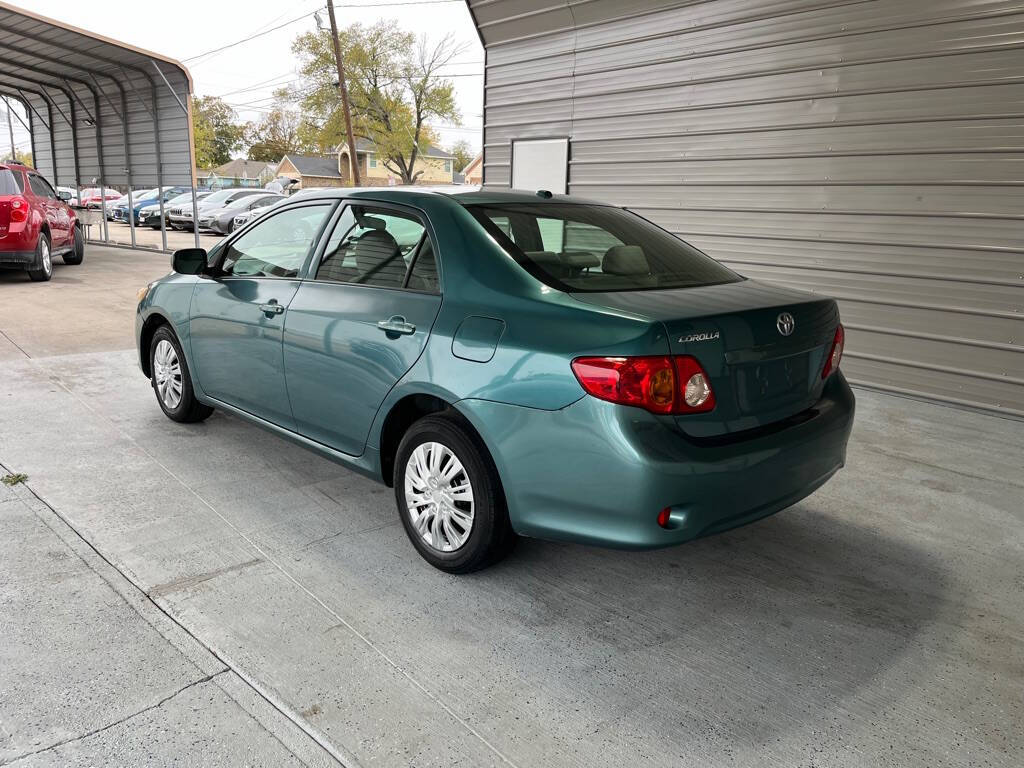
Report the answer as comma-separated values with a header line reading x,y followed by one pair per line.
x,y
511,363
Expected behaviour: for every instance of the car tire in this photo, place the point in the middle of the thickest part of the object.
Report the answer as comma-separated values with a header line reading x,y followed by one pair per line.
x,y
44,259
77,252
171,380
462,524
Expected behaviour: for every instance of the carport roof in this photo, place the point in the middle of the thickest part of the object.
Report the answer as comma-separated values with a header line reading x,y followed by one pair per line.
x,y
98,109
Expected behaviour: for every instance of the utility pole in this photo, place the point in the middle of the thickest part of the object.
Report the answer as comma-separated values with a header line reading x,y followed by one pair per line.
x,y
352,155
10,130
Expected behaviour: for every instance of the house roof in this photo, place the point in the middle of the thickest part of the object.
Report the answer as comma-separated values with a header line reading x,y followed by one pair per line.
x,y
242,168
314,165
363,145
472,164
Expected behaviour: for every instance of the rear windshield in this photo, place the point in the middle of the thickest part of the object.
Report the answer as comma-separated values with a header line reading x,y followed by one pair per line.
x,y
590,248
10,182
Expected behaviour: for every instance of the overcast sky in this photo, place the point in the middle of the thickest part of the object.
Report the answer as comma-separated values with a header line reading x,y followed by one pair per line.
x,y
245,75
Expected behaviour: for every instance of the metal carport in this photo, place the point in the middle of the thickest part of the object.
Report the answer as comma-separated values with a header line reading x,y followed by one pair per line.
x,y
101,113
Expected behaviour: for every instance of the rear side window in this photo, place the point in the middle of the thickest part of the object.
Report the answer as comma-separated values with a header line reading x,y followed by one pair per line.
x,y
11,182
577,247
40,186
372,246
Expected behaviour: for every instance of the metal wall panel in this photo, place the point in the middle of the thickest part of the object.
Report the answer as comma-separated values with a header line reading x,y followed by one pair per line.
x,y
115,95
866,149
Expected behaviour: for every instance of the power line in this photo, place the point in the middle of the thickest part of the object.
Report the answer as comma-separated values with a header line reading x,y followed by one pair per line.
x,y
311,13
251,37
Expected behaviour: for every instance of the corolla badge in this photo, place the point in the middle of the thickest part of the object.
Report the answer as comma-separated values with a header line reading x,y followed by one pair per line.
x,y
705,336
785,323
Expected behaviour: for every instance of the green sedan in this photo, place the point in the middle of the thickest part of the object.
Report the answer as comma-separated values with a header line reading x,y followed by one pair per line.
x,y
513,364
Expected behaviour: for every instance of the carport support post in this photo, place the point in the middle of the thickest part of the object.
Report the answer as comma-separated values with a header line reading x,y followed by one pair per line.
x,y
10,130
188,116
131,211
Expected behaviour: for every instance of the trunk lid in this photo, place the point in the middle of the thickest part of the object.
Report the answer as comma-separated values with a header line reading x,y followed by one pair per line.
x,y
758,374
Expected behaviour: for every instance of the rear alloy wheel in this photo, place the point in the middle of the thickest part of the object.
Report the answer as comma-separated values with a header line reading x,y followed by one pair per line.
x,y
77,252
171,381
450,498
44,271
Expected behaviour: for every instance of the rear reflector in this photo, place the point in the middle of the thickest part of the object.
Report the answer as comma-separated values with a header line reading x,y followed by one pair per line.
x,y
659,384
663,517
835,354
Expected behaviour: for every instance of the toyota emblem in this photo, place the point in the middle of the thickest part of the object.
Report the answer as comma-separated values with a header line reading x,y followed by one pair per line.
x,y
785,323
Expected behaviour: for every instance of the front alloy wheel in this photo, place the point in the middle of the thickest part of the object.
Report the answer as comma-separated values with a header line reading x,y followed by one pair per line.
x,y
172,383
167,374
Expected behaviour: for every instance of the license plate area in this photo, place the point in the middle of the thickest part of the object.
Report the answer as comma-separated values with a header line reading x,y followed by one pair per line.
x,y
772,383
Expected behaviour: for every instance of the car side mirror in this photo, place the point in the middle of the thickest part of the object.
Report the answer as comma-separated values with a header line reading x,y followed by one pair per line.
x,y
189,261
65,196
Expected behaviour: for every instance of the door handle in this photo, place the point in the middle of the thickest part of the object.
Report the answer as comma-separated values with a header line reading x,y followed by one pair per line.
x,y
271,308
396,324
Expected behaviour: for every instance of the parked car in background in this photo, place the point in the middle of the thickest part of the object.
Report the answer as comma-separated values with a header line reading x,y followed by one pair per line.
x,y
35,224
117,211
509,363
91,198
149,214
246,216
152,197
222,220
181,216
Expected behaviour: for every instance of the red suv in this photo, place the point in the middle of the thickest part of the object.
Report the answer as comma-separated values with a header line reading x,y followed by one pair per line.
x,y
35,224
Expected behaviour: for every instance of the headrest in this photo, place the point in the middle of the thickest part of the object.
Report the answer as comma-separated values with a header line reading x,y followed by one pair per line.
x,y
625,260
543,257
373,247
371,222
581,259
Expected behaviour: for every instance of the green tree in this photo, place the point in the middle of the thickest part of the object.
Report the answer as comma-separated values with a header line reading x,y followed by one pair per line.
x,y
275,135
25,158
463,152
395,89
217,133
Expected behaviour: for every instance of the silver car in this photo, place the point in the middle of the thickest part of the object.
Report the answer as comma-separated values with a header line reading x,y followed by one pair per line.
x,y
181,215
222,220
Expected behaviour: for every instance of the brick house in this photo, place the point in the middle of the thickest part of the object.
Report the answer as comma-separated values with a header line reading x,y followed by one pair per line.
x,y
437,167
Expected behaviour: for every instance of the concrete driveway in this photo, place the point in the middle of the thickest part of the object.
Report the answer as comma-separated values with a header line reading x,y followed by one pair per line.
x,y
211,594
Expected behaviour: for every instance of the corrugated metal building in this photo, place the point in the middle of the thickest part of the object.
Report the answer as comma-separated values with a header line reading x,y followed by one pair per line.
x,y
872,150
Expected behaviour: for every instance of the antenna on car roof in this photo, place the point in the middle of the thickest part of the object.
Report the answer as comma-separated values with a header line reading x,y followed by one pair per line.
x,y
544,193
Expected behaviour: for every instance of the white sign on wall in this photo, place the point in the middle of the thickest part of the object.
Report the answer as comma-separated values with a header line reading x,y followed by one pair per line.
x,y
540,164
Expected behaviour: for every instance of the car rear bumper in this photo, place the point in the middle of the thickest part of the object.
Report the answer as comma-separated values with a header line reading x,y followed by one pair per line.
x,y
17,259
599,473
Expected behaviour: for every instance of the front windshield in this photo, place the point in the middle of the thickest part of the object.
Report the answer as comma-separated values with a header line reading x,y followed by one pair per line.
x,y
220,196
578,247
185,198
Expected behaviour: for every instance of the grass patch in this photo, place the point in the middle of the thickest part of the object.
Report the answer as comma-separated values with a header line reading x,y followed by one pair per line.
x,y
14,479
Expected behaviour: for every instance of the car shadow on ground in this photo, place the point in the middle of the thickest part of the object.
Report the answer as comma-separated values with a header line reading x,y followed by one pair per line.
x,y
764,628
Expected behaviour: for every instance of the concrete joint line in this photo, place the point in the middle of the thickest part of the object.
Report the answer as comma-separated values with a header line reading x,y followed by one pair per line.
x,y
347,759
116,723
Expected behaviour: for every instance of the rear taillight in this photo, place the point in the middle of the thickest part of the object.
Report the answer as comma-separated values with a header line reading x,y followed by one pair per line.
x,y
19,209
661,384
835,354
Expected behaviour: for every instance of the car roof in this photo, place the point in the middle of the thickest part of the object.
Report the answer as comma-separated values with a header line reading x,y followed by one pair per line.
x,y
466,195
